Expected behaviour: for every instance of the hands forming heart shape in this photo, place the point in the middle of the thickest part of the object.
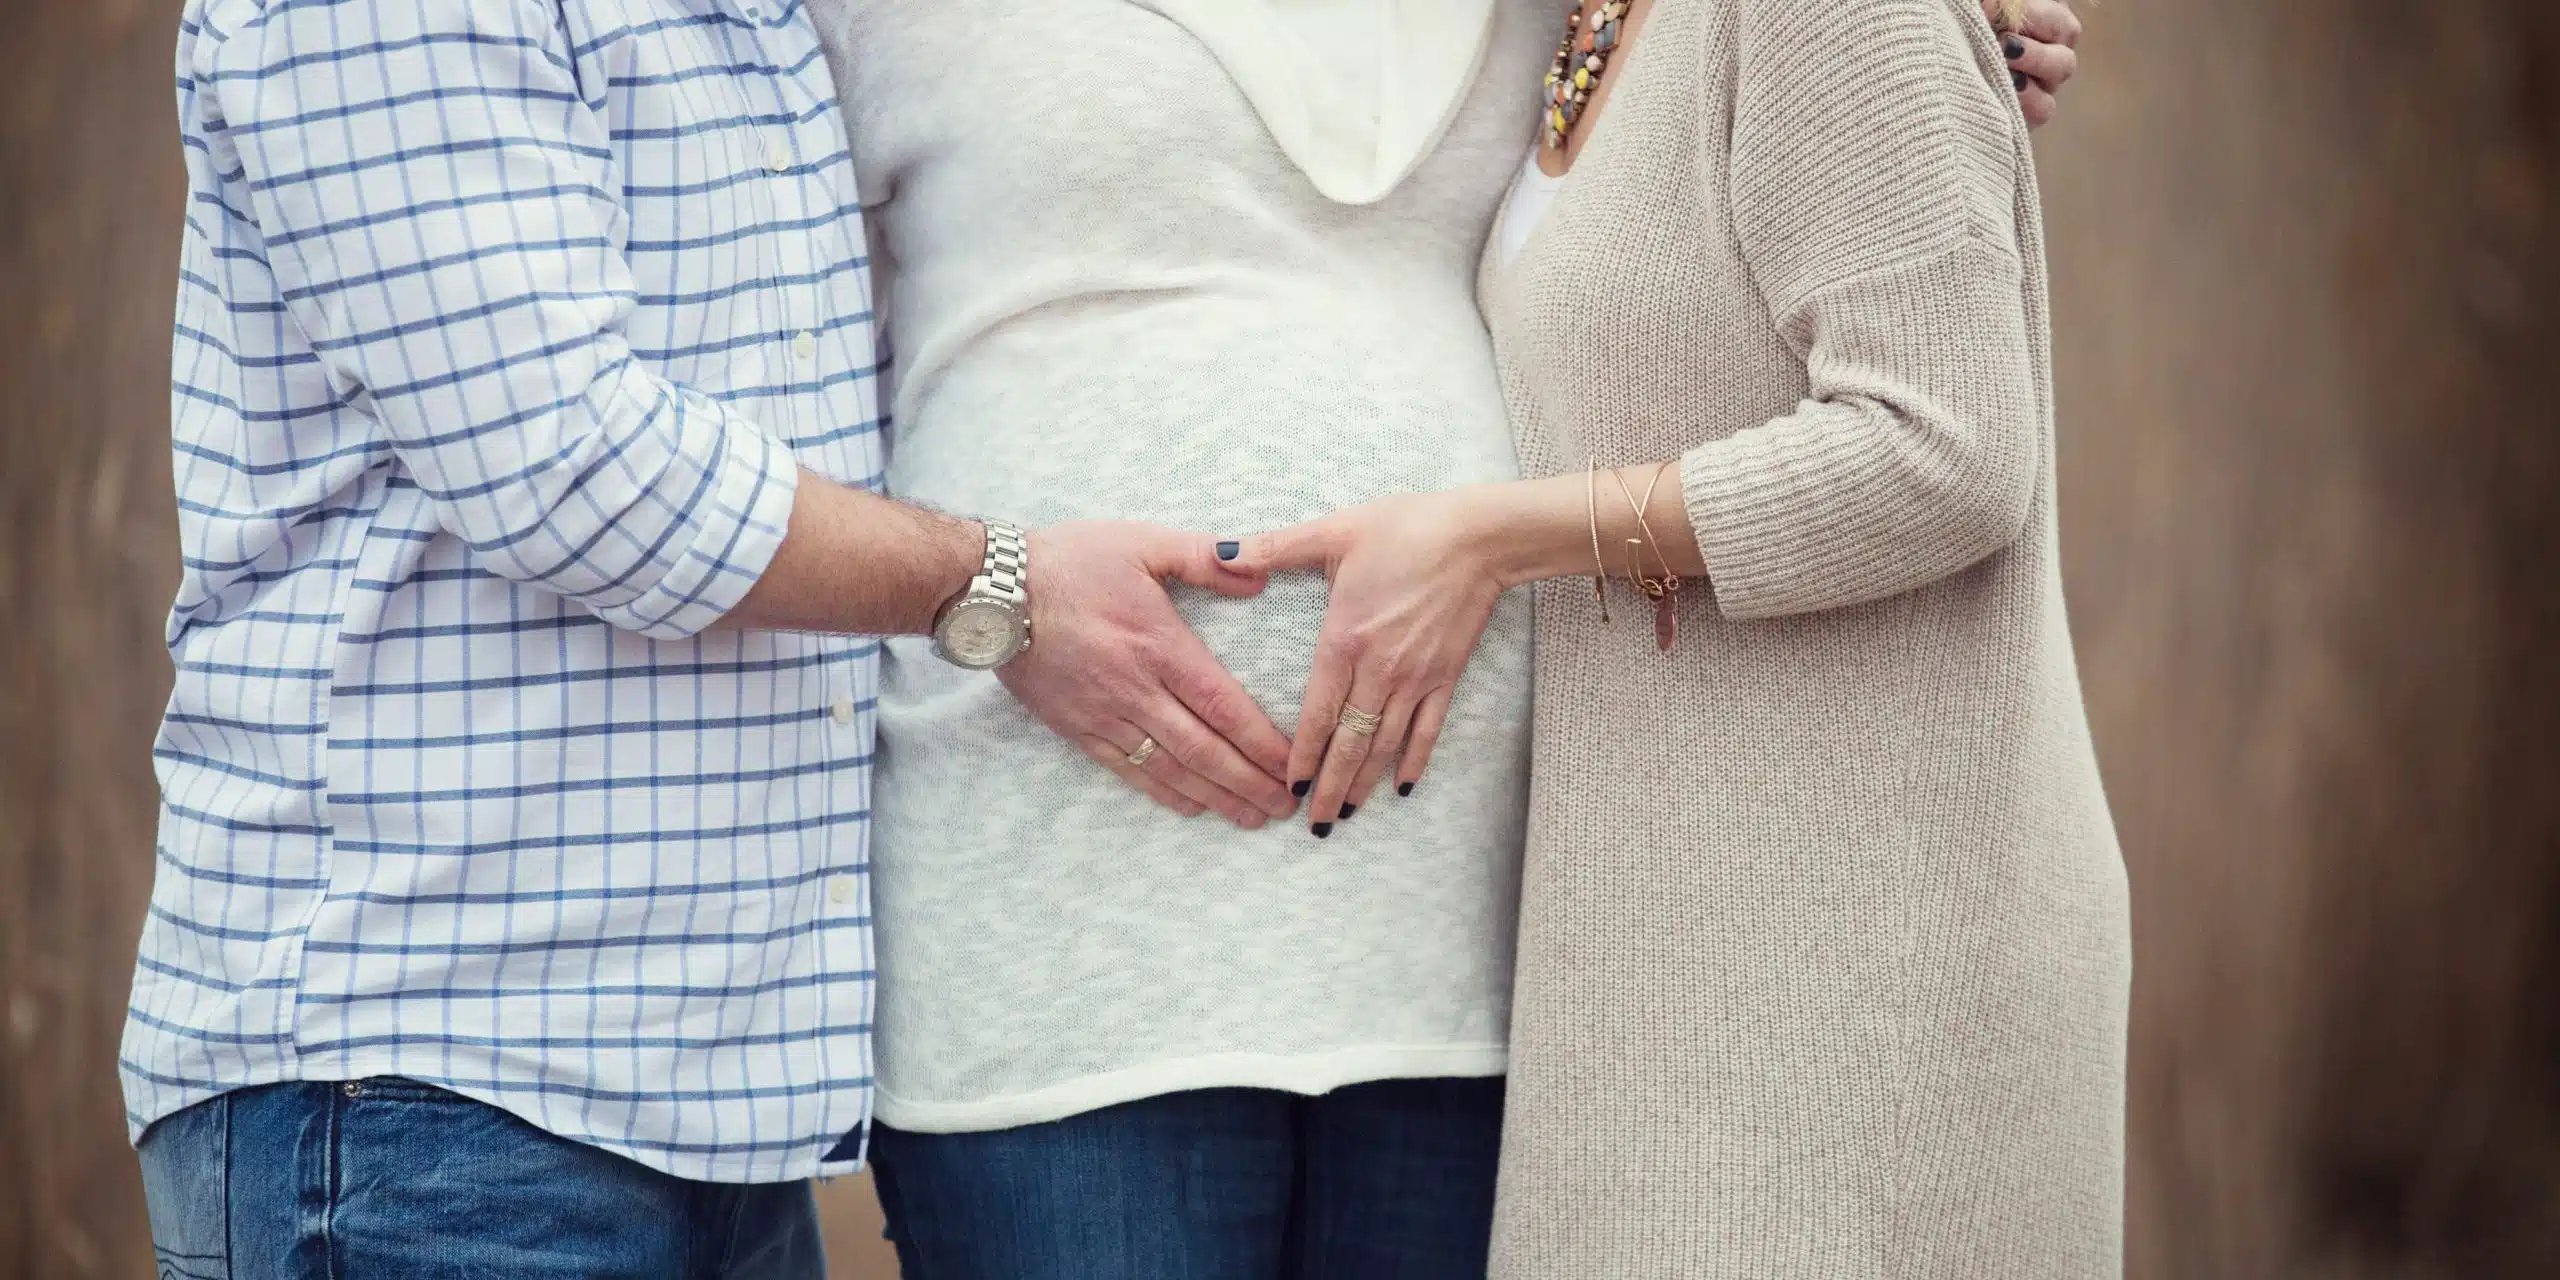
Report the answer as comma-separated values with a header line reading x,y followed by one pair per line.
x,y
1116,671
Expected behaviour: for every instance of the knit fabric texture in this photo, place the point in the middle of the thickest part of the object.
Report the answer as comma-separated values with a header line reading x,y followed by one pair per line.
x,y
1824,946
1112,294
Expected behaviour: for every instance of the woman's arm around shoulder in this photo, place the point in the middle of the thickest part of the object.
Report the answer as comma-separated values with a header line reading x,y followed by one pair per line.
x,y
1875,167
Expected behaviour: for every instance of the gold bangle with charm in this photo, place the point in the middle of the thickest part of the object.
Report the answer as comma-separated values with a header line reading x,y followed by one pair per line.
x,y
1665,590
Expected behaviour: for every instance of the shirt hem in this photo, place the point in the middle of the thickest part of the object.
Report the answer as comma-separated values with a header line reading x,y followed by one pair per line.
x,y
1307,1074
725,1169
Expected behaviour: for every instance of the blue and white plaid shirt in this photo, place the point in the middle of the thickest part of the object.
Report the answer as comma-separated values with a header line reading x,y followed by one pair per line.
x,y
502,325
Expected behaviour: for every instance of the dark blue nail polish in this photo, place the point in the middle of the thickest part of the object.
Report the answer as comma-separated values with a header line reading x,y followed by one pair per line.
x,y
2019,78
1348,810
1404,788
2014,47
1324,830
1300,789
1230,550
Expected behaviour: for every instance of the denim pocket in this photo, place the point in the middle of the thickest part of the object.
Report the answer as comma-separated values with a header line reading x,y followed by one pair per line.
x,y
186,1188
402,1089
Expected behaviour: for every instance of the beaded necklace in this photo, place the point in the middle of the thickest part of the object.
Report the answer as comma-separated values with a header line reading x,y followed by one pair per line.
x,y
1580,62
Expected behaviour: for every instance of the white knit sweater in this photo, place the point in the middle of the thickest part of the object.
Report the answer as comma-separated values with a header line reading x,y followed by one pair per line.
x,y
1113,295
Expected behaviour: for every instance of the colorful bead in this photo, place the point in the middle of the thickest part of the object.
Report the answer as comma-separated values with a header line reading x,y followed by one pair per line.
x,y
1580,63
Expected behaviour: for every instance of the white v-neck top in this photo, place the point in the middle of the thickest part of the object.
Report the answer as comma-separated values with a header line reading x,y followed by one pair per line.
x,y
1531,192
1355,92
1325,33
1116,296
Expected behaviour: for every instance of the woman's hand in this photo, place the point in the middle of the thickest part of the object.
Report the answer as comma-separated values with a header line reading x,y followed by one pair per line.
x,y
2044,53
1412,592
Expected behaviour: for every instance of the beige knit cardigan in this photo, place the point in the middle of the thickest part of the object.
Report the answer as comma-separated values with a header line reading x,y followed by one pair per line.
x,y
1824,953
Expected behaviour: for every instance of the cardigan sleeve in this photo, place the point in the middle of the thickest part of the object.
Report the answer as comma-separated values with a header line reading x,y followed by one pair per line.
x,y
1873,180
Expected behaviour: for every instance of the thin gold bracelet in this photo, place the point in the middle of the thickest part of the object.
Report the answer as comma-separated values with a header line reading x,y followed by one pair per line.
x,y
1599,566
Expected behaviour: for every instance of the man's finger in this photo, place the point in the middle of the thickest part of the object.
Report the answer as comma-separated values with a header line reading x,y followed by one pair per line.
x,y
1117,761
1166,767
1198,748
1211,692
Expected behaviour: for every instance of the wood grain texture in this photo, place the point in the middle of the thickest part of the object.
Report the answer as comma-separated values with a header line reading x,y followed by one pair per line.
x,y
2305,254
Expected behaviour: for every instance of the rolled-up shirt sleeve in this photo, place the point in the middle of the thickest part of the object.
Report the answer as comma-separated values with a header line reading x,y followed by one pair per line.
x,y
439,205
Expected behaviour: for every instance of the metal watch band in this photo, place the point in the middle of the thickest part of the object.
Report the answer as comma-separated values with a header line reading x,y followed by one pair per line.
x,y
1008,562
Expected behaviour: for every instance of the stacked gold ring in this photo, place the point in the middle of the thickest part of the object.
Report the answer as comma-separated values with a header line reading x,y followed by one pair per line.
x,y
1355,720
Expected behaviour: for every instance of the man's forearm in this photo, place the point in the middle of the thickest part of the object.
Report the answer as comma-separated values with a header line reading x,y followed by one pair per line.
x,y
858,562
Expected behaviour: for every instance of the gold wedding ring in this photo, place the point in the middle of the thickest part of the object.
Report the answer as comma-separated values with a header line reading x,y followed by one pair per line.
x,y
1146,751
1355,720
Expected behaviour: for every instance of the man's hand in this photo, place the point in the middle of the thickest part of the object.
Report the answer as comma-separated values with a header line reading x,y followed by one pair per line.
x,y
1111,665
2044,53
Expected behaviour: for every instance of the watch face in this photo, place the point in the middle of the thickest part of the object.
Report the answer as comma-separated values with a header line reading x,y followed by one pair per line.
x,y
980,633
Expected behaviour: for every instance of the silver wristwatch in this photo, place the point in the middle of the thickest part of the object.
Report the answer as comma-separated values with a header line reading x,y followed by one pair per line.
x,y
990,624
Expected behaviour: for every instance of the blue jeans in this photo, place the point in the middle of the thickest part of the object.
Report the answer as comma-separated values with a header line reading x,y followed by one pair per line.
x,y
1376,1181
392,1178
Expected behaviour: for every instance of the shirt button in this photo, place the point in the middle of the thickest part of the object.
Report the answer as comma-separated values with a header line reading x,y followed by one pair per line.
x,y
840,890
777,156
805,347
842,711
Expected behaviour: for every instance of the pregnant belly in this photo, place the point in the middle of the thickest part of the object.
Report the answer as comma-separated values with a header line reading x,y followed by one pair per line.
x,y
1232,432
1210,420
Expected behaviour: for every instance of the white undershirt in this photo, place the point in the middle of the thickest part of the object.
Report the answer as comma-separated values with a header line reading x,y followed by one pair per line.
x,y
1326,31
1531,193
1355,92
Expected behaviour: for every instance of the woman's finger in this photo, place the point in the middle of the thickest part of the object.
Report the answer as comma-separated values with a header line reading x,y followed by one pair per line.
x,y
1427,720
2052,22
1346,752
2050,65
1202,562
1394,725
1117,761
1327,685
2038,104
1316,545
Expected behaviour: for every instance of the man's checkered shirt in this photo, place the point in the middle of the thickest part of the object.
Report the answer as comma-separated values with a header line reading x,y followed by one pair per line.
x,y
502,328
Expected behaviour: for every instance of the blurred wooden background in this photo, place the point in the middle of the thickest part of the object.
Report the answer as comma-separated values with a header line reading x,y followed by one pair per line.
x,y
2306,254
